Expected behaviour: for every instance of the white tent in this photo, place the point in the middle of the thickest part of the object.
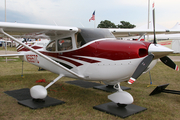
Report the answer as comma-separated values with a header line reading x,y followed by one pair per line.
x,y
176,42
145,26
176,46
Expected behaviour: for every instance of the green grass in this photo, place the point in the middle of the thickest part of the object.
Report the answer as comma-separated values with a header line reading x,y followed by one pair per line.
x,y
80,101
174,54
8,48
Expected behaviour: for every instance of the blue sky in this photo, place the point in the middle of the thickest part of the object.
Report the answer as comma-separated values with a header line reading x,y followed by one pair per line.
x,y
76,13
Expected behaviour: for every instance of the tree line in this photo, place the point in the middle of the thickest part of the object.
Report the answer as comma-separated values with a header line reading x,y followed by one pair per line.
x,y
109,24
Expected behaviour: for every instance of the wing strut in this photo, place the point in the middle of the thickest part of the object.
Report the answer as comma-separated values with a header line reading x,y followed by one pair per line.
x,y
60,76
40,54
139,39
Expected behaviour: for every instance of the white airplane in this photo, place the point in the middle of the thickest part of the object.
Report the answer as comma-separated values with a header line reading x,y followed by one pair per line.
x,y
175,36
37,42
89,54
4,41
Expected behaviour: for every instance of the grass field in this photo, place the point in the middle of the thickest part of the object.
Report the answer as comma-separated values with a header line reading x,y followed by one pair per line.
x,y
80,101
8,48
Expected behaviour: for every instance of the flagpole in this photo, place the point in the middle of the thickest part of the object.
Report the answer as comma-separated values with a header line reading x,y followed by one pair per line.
x,y
94,23
6,38
148,18
94,19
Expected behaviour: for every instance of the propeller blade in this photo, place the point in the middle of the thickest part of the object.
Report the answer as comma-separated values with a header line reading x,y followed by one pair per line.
x,y
167,61
154,42
141,68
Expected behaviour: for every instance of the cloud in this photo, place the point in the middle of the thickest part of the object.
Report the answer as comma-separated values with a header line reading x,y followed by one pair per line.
x,y
72,13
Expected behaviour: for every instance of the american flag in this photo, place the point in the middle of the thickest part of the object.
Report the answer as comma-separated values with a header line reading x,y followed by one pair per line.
x,y
93,17
153,5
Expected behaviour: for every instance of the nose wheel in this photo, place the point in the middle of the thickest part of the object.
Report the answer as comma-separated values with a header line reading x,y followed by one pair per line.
x,y
38,92
118,87
121,98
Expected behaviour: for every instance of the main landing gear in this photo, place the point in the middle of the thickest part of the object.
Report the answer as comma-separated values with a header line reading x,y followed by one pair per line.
x,y
40,92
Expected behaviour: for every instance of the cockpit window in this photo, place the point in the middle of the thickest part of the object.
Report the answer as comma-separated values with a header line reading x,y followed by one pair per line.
x,y
80,40
94,34
87,35
60,44
51,46
64,44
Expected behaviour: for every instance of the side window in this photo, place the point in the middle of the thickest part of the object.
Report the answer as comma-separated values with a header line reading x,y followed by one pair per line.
x,y
51,46
64,44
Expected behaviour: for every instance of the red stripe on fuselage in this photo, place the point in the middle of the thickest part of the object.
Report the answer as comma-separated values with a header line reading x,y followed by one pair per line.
x,y
84,59
116,49
26,49
19,49
62,57
71,61
105,49
111,50
59,56
102,49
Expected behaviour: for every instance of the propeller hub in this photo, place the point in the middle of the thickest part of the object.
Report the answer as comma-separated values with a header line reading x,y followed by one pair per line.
x,y
159,51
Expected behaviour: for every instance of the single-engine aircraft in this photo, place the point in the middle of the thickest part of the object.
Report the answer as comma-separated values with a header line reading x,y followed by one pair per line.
x,y
89,54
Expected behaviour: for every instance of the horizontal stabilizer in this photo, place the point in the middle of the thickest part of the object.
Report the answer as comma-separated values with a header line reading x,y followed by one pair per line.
x,y
11,55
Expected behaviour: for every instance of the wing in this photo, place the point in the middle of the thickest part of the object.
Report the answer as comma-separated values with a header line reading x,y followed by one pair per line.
x,y
139,32
33,30
10,29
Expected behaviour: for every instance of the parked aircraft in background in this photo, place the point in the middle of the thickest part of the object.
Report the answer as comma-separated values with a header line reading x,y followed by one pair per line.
x,y
3,42
175,36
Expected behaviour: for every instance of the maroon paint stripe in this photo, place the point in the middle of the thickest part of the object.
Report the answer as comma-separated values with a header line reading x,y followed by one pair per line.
x,y
36,47
105,49
19,48
83,59
71,61
58,56
26,49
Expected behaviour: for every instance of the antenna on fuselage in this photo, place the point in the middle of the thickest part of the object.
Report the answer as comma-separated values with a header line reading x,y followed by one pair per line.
x,y
81,24
55,23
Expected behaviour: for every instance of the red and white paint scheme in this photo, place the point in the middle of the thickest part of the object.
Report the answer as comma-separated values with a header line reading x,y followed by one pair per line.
x,y
88,54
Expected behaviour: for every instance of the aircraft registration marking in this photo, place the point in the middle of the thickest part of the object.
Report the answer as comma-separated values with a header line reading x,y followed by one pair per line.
x,y
32,58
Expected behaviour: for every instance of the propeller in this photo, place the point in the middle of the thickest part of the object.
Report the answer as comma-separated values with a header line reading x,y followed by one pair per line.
x,y
167,61
147,60
141,67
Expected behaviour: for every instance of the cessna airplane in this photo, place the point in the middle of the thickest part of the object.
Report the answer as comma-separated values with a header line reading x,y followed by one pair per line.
x,y
89,54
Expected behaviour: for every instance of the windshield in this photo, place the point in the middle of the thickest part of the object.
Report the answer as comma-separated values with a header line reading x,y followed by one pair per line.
x,y
94,34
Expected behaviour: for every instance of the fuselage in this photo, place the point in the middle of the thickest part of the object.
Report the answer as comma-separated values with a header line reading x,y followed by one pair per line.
x,y
94,54
102,60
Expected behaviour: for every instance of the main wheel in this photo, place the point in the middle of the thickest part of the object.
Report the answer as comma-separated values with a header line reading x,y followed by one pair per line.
x,y
38,92
39,100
